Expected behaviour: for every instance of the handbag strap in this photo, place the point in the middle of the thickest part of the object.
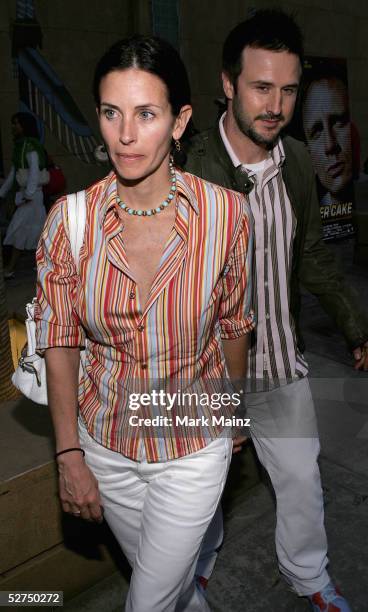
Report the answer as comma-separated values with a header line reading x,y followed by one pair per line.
x,y
76,220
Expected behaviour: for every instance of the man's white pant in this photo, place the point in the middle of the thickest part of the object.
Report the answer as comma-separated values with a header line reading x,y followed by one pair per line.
x,y
284,433
159,513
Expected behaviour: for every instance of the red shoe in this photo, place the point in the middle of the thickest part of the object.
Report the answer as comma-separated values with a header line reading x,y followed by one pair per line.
x,y
329,600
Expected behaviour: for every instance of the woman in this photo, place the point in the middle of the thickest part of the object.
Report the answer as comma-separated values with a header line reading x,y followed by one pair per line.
x,y
163,278
29,173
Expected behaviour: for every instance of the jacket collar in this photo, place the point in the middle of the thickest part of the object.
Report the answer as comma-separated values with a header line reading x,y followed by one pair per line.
x,y
220,151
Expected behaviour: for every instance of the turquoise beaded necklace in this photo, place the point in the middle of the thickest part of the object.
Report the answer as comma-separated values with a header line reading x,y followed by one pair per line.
x,y
153,211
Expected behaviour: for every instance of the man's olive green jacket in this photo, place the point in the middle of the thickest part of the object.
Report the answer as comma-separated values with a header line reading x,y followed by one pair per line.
x,y
313,263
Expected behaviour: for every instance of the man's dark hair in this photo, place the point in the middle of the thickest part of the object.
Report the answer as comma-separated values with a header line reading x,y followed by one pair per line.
x,y
152,54
270,29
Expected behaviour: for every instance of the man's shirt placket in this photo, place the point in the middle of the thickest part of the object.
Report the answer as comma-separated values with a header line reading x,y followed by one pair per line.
x,y
271,347
257,364
263,213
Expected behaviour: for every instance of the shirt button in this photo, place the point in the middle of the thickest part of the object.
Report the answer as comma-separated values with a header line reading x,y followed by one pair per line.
x,y
140,328
132,295
266,284
144,366
266,250
268,315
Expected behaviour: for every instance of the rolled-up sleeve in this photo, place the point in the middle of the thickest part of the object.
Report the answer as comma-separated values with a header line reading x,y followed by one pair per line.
x,y
236,317
57,322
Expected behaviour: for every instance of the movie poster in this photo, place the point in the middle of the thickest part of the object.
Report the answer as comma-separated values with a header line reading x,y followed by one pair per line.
x,y
323,122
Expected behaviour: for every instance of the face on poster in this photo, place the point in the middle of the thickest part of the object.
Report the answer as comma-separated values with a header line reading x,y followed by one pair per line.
x,y
324,123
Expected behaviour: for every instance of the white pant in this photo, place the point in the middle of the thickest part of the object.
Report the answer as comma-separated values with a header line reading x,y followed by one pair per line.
x,y
284,433
159,513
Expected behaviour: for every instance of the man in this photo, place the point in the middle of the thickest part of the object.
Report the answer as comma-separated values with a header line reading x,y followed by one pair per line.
x,y
327,128
262,61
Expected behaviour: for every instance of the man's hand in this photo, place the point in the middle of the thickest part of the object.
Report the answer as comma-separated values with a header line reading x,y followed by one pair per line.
x,y
78,489
238,442
361,357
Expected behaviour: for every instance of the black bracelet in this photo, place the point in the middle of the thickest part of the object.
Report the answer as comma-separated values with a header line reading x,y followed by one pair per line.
x,y
69,450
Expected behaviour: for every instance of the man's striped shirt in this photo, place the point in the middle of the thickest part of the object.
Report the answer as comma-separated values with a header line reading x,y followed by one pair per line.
x,y
274,358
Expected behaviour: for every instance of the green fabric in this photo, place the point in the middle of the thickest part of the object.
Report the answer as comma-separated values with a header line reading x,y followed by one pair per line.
x,y
313,263
25,145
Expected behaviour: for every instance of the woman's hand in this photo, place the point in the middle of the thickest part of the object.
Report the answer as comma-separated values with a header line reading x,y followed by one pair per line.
x,y
78,488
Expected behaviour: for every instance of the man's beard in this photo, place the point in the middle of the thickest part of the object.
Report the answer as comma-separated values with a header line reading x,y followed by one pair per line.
x,y
245,125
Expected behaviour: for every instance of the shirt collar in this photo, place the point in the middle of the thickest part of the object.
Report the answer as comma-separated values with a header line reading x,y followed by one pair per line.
x,y
186,191
109,194
108,197
277,153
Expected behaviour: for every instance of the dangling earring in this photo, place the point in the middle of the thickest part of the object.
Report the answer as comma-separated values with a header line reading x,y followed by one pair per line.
x,y
178,154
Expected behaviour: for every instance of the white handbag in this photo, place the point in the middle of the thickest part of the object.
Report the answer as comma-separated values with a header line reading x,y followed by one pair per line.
x,y
30,374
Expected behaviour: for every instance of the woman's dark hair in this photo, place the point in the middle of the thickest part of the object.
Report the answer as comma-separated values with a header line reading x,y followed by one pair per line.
x,y
153,55
270,29
28,123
